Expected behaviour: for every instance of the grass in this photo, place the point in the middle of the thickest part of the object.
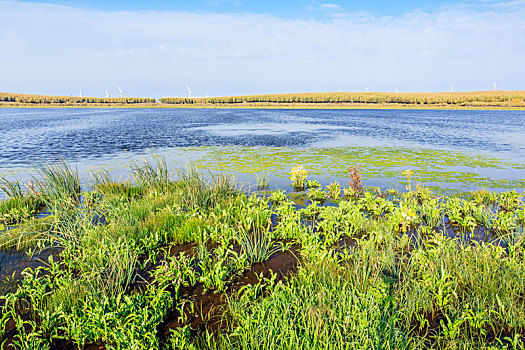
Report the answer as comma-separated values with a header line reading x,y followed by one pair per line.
x,y
60,185
194,254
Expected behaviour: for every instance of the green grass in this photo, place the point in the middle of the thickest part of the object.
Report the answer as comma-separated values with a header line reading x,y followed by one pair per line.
x,y
375,272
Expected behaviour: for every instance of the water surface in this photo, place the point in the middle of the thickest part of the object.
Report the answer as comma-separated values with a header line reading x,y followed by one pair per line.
x,y
114,137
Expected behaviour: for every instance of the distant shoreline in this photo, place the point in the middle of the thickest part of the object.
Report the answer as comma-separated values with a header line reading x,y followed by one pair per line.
x,y
263,106
474,100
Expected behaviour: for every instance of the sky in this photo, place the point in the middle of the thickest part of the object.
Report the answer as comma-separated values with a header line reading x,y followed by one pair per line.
x,y
237,47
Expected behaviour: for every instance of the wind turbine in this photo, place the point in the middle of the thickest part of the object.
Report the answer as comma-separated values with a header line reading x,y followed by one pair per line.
x,y
494,86
397,90
367,89
451,88
189,91
107,95
121,92
80,93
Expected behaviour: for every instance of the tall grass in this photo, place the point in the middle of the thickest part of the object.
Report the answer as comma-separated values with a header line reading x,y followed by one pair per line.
x,y
324,307
60,184
200,193
151,175
12,189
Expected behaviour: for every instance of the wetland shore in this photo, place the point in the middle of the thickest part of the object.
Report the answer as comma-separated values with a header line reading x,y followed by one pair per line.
x,y
189,263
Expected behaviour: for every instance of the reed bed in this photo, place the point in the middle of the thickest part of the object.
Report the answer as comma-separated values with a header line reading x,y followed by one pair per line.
x,y
475,98
69,100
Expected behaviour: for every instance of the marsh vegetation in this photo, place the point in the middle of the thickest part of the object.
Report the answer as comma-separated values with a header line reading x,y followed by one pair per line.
x,y
22,99
197,262
475,98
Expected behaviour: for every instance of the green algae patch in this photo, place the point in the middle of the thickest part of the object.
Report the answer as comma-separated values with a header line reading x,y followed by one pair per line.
x,y
432,167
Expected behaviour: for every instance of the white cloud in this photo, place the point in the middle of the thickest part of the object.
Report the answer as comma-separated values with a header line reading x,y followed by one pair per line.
x,y
329,6
59,49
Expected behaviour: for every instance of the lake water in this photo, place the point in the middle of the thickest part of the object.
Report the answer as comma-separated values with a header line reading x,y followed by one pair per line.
x,y
472,148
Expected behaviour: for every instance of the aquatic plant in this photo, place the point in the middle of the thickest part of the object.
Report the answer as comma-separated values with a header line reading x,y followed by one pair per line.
x,y
202,194
355,181
334,190
349,192
504,222
298,177
175,272
432,213
217,266
15,210
375,271
510,200
408,175
405,216
317,194
278,197
262,178
313,184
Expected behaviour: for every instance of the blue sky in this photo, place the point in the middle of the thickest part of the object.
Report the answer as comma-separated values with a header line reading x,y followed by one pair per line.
x,y
288,9
231,47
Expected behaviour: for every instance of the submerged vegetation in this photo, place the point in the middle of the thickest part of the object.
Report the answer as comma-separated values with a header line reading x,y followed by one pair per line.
x,y
477,98
197,263
439,169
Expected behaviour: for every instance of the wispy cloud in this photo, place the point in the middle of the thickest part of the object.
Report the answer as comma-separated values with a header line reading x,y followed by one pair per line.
x,y
59,49
329,6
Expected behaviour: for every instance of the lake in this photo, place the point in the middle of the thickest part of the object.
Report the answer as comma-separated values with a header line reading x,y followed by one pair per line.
x,y
451,149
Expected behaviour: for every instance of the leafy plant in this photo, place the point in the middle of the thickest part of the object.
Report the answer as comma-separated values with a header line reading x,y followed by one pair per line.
x,y
278,197
298,177
313,184
175,272
317,194
334,190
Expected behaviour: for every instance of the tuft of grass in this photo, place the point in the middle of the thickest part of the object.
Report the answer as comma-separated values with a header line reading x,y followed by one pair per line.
x,y
60,185
262,178
151,175
256,243
12,189
199,193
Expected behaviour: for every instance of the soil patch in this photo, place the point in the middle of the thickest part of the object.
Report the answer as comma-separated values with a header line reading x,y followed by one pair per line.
x,y
208,306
